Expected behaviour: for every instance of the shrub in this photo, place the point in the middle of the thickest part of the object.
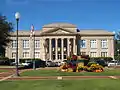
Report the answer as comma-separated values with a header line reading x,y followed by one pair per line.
x,y
95,67
106,59
74,57
90,63
69,70
4,61
69,58
85,57
4,58
80,68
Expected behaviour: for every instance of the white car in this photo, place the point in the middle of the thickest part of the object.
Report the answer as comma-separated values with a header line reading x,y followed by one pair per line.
x,y
58,63
50,64
63,62
113,63
14,63
26,63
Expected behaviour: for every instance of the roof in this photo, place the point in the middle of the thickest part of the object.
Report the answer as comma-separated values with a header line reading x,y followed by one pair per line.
x,y
82,32
62,25
95,32
26,32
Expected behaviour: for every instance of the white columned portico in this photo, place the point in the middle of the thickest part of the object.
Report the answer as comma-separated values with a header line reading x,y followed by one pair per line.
x,y
50,49
68,48
62,47
56,48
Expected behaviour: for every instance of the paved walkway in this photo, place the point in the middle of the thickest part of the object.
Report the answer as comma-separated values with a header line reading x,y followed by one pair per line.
x,y
6,75
62,77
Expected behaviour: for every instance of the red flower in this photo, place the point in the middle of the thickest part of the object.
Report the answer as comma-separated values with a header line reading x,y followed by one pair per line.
x,y
74,57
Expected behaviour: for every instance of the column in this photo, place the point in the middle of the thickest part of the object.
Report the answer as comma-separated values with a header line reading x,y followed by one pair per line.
x,y
110,46
56,48
50,49
68,48
74,46
88,49
20,48
45,50
62,47
98,48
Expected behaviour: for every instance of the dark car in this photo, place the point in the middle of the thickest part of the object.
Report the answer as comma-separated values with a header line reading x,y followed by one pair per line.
x,y
38,64
102,63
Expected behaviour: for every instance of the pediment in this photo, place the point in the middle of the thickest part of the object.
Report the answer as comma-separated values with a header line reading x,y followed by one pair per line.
x,y
58,31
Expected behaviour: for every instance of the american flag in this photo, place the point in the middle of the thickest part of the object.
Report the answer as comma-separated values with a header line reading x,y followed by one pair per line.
x,y
32,32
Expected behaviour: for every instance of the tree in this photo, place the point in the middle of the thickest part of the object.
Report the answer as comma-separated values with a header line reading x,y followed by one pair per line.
x,y
118,36
5,29
117,46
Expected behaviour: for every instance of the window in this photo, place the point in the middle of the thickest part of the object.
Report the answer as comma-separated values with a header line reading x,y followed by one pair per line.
x,y
83,53
83,44
103,54
25,43
93,54
93,44
13,54
14,44
104,43
26,54
37,54
65,56
37,43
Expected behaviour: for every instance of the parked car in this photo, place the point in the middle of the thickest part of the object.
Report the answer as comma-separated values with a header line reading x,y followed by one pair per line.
x,y
102,63
63,62
57,63
26,63
50,64
14,63
38,63
113,63
4,62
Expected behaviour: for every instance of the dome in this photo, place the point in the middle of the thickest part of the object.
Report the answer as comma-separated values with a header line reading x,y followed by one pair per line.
x,y
64,25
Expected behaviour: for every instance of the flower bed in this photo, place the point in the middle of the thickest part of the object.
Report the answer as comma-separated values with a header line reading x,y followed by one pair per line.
x,y
76,65
79,68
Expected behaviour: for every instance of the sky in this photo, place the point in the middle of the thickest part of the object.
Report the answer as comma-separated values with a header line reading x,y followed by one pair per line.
x,y
85,14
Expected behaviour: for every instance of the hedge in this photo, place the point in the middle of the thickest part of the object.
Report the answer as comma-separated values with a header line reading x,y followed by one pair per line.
x,y
117,58
4,58
107,59
23,60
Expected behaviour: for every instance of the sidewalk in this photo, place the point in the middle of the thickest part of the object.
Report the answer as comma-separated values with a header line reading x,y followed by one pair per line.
x,y
62,77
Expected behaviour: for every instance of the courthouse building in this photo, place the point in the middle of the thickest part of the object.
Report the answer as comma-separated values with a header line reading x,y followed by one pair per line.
x,y
56,41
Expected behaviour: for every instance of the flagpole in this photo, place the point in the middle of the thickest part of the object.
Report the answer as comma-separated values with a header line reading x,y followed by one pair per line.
x,y
32,36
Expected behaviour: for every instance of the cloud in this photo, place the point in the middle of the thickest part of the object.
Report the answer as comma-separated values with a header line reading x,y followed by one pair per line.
x,y
17,2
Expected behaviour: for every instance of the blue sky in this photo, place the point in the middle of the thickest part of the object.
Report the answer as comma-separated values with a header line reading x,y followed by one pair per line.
x,y
86,14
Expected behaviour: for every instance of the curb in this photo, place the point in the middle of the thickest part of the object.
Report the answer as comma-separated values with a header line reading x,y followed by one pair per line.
x,y
62,77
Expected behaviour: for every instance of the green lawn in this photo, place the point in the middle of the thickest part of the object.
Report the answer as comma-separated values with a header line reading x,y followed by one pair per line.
x,y
7,66
114,72
88,84
3,70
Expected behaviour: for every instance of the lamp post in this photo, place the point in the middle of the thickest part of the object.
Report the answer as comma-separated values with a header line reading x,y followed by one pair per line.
x,y
78,43
118,53
17,16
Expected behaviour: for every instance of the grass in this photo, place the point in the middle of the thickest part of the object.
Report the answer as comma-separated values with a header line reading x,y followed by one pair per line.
x,y
114,72
7,66
88,84
3,70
